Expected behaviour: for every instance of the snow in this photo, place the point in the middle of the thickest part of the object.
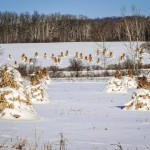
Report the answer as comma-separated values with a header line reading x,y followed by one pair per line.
x,y
130,82
87,117
121,84
86,48
37,94
82,110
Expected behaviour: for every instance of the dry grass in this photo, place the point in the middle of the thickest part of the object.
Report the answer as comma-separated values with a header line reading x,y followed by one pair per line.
x,y
143,83
8,80
25,144
118,75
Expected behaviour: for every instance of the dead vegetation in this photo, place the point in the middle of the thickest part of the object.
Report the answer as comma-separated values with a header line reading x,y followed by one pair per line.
x,y
35,79
38,82
118,75
25,144
143,83
9,102
7,79
130,73
10,84
3,102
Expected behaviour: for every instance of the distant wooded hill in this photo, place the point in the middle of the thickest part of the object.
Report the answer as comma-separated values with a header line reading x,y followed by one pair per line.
x,y
25,27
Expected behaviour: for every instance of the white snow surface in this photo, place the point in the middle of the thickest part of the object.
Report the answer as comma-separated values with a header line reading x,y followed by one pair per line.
x,y
87,117
86,48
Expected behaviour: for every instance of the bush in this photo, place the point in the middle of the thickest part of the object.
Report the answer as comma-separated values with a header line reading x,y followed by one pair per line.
x,y
127,64
53,68
96,67
22,69
105,74
33,69
75,65
25,69
114,67
55,72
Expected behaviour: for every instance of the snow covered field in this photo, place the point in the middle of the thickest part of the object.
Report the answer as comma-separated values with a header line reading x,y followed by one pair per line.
x,y
87,116
86,48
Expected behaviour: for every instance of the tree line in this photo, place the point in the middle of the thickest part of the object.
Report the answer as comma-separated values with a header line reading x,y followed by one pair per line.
x,y
35,27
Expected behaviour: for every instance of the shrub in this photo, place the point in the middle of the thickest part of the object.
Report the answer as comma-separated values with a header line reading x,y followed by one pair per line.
x,y
96,67
127,64
114,67
22,69
25,69
75,65
53,68
105,73
55,72
33,69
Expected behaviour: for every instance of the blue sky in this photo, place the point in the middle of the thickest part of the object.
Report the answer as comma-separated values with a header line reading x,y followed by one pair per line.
x,y
90,8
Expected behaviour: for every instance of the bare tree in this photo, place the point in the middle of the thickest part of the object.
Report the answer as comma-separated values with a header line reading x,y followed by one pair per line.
x,y
133,31
104,54
36,27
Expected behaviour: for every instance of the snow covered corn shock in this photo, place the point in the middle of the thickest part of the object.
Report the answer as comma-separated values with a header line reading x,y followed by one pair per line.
x,y
14,101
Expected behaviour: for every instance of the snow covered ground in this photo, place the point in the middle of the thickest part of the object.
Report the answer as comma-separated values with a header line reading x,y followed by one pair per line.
x,y
86,48
87,117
